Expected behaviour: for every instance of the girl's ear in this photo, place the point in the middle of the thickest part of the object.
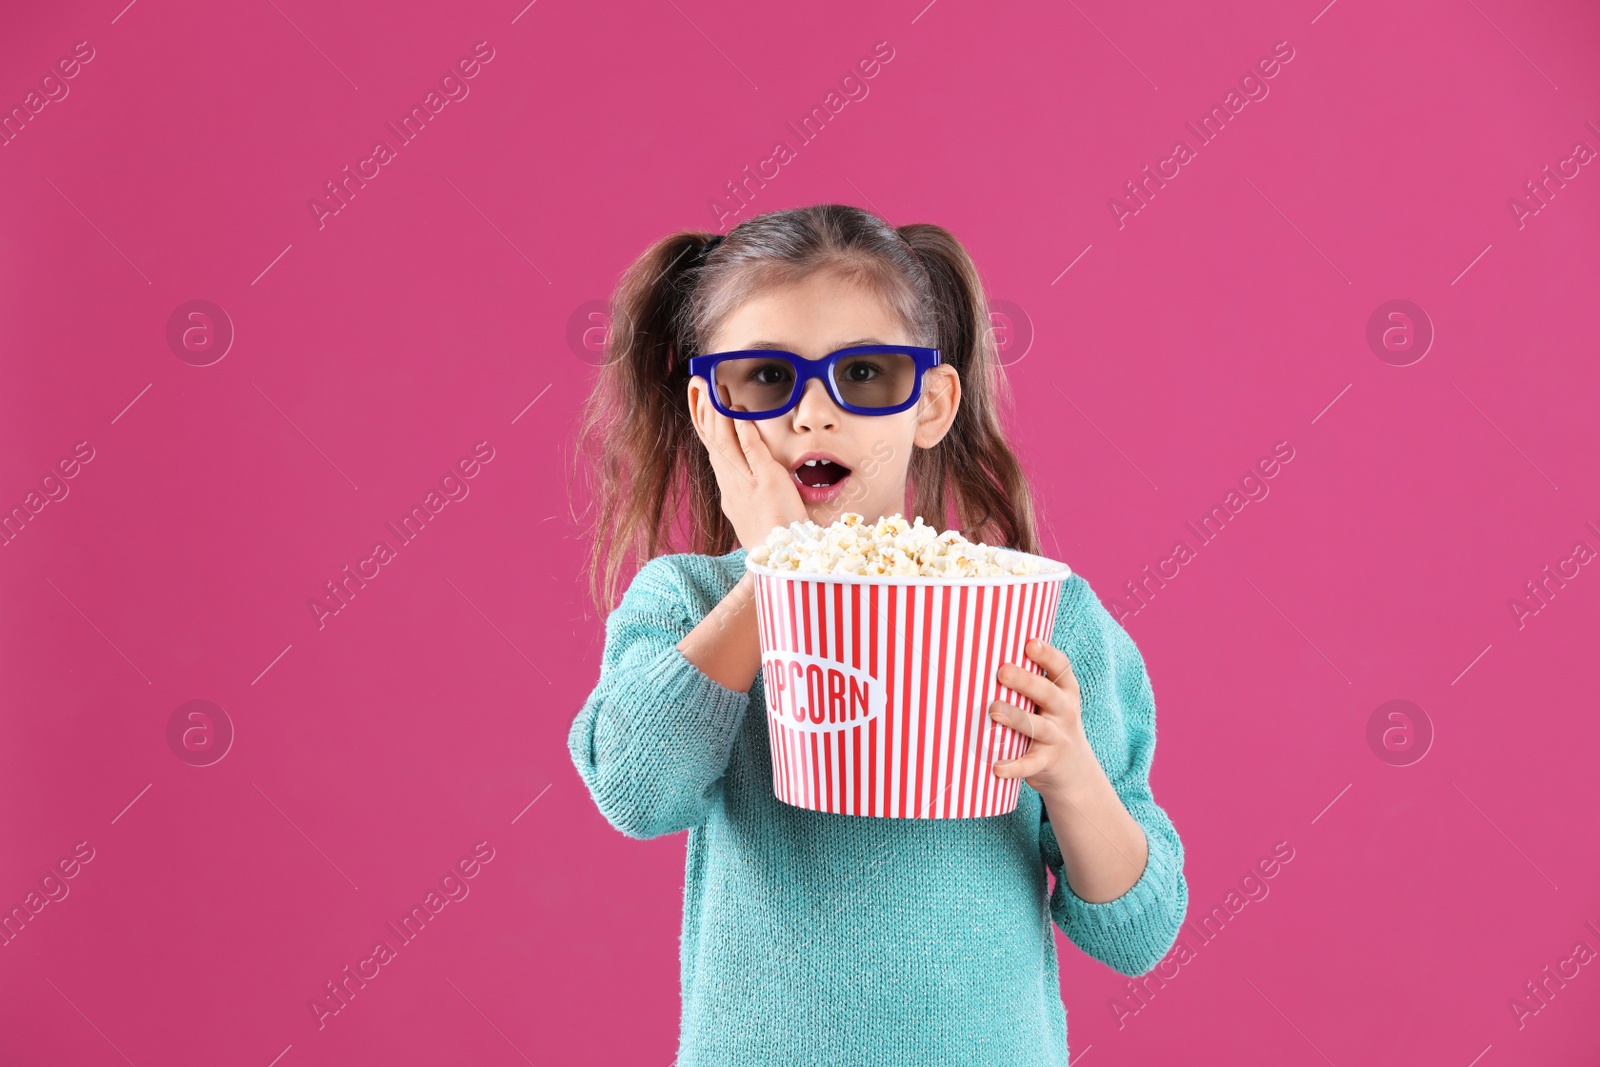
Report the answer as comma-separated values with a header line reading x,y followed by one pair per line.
x,y
699,407
936,411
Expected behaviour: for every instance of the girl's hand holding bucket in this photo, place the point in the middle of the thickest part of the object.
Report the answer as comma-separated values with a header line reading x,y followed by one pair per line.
x,y
1059,760
1104,848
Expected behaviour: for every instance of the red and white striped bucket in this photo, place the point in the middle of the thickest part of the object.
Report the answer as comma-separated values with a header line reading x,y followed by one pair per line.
x,y
878,688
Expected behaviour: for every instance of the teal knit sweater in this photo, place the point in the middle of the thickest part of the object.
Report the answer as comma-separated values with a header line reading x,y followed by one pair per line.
x,y
813,938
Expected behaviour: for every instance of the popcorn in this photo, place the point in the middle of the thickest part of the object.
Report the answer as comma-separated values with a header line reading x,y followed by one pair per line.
x,y
891,546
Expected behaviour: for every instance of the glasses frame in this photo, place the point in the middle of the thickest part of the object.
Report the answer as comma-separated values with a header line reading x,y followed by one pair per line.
x,y
705,366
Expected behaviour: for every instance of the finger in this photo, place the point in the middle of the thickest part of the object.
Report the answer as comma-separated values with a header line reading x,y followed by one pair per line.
x,y
738,454
723,440
1057,667
1021,721
756,452
1038,689
1024,766
749,440
734,451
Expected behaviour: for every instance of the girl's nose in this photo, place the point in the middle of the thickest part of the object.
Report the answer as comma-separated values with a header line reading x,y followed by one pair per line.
x,y
816,410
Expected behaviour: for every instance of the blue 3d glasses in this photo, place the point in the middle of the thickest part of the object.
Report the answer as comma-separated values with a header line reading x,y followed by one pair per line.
x,y
763,383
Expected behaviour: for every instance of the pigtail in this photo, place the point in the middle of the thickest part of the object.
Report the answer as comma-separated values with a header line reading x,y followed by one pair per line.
x,y
972,469
635,434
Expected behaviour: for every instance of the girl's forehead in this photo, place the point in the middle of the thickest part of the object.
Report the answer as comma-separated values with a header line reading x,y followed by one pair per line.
x,y
819,311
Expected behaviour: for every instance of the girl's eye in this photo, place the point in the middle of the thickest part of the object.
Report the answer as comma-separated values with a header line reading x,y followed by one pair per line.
x,y
770,374
861,371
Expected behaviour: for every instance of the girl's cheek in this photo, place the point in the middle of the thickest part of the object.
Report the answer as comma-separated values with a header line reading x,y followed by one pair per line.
x,y
767,437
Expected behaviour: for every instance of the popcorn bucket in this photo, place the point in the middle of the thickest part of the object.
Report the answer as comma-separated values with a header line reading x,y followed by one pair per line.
x,y
878,687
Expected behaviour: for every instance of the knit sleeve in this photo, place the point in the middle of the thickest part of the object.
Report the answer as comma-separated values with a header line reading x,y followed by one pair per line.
x,y
1132,933
653,739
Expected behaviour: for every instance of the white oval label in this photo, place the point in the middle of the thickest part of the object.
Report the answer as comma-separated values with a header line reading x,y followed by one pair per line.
x,y
819,695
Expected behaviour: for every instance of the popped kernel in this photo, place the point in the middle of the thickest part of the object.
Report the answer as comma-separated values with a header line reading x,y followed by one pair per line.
x,y
891,546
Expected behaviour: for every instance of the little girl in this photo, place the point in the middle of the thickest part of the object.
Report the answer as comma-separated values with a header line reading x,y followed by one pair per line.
x,y
811,937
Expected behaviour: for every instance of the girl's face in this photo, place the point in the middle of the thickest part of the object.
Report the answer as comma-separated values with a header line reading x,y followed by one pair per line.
x,y
869,454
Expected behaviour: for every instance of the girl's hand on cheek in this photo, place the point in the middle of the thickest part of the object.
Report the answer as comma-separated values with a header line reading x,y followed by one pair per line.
x,y
757,493
1059,761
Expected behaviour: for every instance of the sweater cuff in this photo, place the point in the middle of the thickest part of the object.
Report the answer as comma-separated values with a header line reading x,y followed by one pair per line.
x,y
656,746
724,705
1140,924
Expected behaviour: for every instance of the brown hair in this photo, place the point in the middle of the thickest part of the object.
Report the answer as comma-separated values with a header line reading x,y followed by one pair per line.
x,y
648,470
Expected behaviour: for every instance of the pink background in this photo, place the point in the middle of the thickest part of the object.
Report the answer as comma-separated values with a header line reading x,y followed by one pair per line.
x,y
373,353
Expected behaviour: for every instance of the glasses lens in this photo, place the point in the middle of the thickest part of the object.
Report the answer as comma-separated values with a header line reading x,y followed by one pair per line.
x,y
879,380
756,384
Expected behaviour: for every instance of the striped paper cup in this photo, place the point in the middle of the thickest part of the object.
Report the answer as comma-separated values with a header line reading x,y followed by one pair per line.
x,y
878,688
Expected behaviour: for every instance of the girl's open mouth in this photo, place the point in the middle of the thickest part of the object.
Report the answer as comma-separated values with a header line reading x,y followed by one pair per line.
x,y
819,477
